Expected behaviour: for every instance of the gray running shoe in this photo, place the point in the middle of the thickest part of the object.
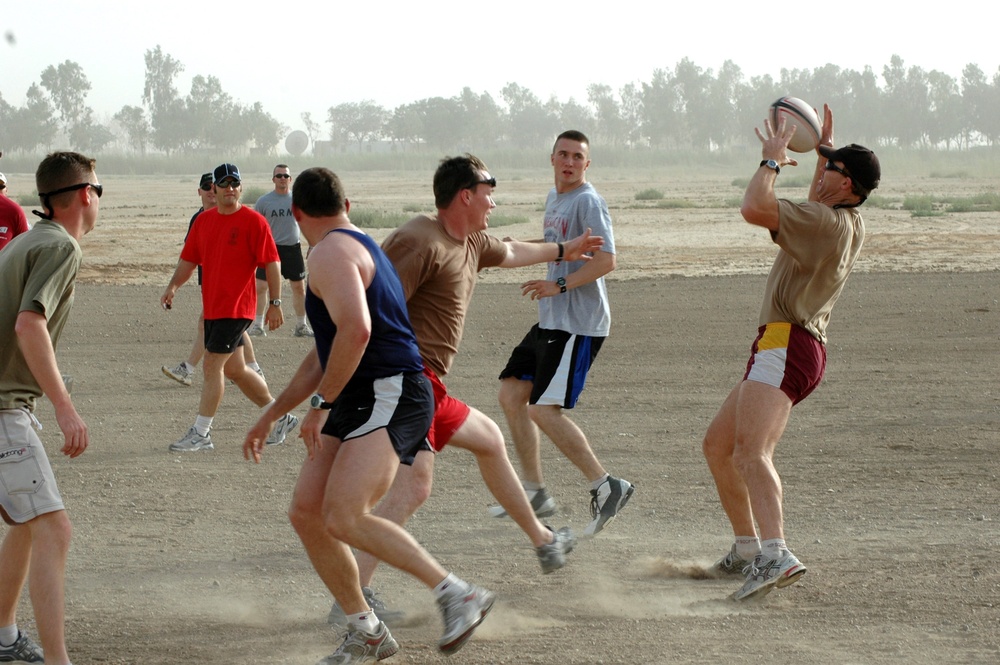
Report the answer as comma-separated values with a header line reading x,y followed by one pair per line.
x,y
256,330
553,556
285,424
763,575
731,565
386,615
541,503
193,442
606,501
303,330
462,613
23,650
180,374
362,647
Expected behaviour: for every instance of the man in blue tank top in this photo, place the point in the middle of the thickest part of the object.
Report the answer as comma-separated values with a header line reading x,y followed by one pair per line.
x,y
371,409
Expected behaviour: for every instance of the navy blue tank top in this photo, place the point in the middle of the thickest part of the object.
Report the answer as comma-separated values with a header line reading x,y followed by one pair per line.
x,y
392,347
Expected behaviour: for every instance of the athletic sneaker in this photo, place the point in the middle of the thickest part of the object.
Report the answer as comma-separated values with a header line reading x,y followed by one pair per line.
x,y
285,424
462,613
256,330
386,615
260,373
362,647
553,556
303,330
23,650
541,503
193,442
731,565
763,575
606,501
180,374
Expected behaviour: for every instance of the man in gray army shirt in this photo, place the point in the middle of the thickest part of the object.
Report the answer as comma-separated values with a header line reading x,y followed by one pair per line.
x,y
276,206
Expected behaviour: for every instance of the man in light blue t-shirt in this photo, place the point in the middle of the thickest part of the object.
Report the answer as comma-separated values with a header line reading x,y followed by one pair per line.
x,y
547,370
276,207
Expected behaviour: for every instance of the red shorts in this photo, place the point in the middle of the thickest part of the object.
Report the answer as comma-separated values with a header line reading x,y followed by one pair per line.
x,y
787,357
449,413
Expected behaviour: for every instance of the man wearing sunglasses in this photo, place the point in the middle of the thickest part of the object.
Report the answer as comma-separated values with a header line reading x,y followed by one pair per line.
x,y
229,241
438,258
276,206
183,372
818,244
37,277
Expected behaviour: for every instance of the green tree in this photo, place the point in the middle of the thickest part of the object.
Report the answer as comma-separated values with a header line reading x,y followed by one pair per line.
x,y
610,125
661,110
357,121
263,129
159,94
132,120
89,135
530,123
67,86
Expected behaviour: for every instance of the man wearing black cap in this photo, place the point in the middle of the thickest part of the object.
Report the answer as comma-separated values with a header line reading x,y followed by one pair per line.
x,y
818,243
229,241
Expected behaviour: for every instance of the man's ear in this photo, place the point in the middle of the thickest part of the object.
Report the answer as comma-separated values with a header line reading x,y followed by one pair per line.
x,y
347,205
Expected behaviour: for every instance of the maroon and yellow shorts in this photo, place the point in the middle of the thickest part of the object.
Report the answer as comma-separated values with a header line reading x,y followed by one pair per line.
x,y
787,357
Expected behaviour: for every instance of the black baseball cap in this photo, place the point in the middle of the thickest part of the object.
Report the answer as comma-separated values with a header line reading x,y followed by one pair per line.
x,y
206,180
859,161
224,171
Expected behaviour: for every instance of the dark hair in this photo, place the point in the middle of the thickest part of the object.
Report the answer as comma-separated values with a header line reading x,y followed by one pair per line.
x,y
572,135
279,166
318,193
453,175
58,170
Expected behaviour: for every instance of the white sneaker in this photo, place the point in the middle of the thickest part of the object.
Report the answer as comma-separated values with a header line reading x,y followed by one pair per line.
x,y
606,501
180,374
303,330
256,331
543,504
462,613
285,424
193,442
763,575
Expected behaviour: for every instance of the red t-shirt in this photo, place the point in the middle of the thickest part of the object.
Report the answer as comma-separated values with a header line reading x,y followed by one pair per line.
x,y
12,220
230,248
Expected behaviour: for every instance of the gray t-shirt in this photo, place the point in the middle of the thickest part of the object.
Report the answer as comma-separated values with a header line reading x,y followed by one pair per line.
x,y
277,210
584,310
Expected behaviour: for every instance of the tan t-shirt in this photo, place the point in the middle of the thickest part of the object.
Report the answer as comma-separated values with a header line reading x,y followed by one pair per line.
x,y
819,246
438,274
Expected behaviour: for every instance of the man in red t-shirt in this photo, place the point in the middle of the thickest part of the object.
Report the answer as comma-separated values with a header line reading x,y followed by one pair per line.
x,y
230,242
12,220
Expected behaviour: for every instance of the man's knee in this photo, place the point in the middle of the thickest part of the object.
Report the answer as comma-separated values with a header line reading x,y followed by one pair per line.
x,y
512,396
54,528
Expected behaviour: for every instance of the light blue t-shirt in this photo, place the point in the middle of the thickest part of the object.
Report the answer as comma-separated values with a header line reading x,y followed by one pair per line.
x,y
277,210
583,310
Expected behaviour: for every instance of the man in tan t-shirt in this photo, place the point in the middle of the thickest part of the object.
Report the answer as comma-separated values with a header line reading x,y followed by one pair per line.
x,y
818,242
438,259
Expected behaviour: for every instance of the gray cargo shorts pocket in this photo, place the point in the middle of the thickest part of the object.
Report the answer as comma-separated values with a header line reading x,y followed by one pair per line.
x,y
20,472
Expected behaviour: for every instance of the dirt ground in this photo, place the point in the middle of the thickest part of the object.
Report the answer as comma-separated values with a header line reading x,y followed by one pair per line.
x,y
890,469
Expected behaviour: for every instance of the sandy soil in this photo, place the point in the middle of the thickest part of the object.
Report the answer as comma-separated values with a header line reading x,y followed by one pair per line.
x,y
890,468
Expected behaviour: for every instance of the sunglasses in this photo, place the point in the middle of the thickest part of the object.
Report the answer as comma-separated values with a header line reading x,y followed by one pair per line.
x,y
830,166
226,184
207,187
282,175
99,189
492,182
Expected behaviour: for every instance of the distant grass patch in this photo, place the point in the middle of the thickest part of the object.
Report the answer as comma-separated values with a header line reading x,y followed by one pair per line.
x,y
251,194
649,195
951,174
413,207
497,220
377,219
676,203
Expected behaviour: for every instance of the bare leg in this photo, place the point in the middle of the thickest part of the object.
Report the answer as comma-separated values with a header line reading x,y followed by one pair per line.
x,y
15,552
718,445
481,436
299,297
50,537
247,380
214,385
198,347
569,438
514,395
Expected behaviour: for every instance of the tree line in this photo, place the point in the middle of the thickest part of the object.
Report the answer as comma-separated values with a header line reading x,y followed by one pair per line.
x,y
686,107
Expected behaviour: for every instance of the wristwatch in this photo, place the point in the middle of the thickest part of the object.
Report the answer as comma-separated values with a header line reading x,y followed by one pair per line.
x,y
771,164
276,302
561,283
317,402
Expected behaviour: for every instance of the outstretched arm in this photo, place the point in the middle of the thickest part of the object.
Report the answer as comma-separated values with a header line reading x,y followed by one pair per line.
x,y
580,248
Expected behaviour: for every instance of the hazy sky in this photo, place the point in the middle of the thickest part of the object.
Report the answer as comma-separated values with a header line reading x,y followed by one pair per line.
x,y
309,56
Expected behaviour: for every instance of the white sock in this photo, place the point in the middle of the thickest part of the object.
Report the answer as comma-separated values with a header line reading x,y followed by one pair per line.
x,y
747,547
254,366
302,320
450,586
771,549
260,321
531,487
366,621
596,485
8,635
202,424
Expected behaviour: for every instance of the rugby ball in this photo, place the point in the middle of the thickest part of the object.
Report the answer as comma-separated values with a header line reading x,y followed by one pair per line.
x,y
808,128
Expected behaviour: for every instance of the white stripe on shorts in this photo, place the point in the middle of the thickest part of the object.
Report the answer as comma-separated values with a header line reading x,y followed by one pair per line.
x,y
555,392
387,394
